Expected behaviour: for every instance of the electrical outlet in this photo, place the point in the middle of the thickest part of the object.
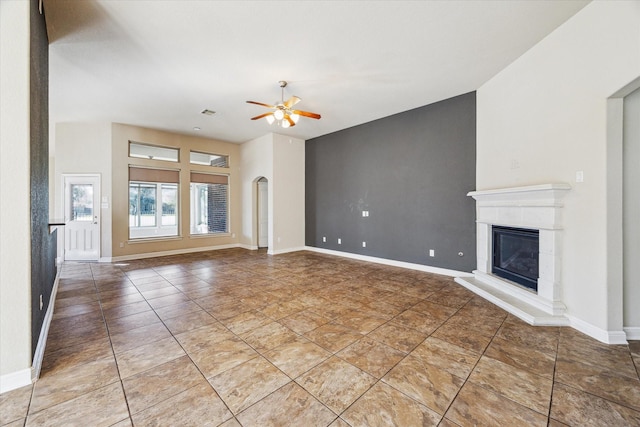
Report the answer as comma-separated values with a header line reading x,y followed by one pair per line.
x,y
432,252
41,302
339,241
122,244
364,244
324,239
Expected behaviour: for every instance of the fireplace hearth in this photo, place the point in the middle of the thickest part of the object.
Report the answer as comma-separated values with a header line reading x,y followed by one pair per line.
x,y
523,278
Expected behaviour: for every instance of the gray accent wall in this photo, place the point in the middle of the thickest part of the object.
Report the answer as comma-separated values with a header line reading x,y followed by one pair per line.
x,y
411,172
43,243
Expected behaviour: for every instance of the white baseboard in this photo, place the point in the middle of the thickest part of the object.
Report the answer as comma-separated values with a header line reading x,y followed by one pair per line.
x,y
288,250
632,332
174,252
607,337
14,380
402,264
44,332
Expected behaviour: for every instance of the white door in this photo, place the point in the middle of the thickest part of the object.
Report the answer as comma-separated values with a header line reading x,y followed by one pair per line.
x,y
263,214
82,218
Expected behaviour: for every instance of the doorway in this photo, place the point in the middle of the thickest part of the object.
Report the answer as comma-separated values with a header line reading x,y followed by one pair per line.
x,y
263,213
82,217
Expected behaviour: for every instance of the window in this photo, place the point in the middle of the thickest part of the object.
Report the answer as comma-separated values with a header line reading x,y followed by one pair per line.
x,y
153,203
209,203
206,159
153,152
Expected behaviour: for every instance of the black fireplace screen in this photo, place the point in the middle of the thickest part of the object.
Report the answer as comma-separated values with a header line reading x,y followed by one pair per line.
x,y
515,255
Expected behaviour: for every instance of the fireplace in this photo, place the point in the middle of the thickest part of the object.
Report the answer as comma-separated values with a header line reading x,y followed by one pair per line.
x,y
516,255
525,214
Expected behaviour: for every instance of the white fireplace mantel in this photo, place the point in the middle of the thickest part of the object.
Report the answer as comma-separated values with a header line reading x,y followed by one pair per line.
x,y
536,207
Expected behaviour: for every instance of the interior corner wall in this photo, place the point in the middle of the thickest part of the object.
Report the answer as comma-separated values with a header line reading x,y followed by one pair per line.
x,y
411,172
15,248
544,118
631,211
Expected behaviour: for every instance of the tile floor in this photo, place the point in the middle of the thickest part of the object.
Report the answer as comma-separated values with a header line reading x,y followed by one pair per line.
x,y
236,337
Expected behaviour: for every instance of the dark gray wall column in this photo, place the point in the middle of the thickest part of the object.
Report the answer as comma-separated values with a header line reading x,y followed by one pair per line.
x,y
411,172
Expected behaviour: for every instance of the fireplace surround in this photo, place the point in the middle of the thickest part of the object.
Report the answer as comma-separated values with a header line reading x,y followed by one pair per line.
x,y
537,207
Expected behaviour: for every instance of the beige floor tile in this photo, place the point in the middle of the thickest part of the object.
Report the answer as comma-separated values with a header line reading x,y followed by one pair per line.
x,y
15,404
246,384
148,356
138,337
103,407
446,356
336,383
71,382
197,406
475,405
609,385
291,403
464,338
577,408
371,356
333,337
189,321
431,386
384,406
297,356
246,321
151,387
177,310
397,336
360,321
527,358
203,338
268,336
121,325
523,387
333,301
304,321
75,355
223,355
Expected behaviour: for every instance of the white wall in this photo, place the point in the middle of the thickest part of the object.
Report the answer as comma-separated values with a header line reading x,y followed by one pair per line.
x,y
84,148
631,225
543,118
15,249
288,188
280,159
256,161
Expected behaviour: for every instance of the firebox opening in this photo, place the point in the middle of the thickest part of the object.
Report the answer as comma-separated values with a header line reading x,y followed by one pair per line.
x,y
516,254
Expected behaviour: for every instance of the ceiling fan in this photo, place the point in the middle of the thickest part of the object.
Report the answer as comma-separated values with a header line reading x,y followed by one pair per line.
x,y
283,111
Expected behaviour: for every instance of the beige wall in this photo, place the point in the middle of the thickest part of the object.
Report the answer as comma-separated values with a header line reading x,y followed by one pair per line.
x,y
15,249
542,119
288,193
121,135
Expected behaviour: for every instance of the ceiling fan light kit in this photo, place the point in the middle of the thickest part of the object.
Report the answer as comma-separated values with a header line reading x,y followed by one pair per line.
x,y
283,113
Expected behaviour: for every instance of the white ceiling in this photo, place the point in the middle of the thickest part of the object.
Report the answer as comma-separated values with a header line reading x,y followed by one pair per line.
x,y
158,64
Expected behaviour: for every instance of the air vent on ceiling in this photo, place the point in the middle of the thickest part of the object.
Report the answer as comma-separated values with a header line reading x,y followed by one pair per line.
x,y
208,112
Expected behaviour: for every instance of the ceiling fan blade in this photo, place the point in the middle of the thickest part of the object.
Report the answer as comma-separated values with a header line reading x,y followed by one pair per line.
x,y
261,116
291,122
292,101
262,104
307,114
